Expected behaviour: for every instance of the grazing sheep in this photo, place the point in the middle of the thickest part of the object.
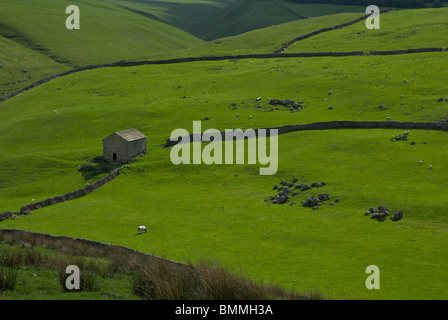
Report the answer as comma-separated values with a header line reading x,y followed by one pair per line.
x,y
420,162
430,167
141,229
389,118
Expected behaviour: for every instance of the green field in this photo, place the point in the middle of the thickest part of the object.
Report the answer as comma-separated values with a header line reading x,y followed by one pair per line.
x,y
202,211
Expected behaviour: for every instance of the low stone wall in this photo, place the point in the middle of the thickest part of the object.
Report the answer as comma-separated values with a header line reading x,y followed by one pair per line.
x,y
5,215
417,50
26,209
37,238
331,125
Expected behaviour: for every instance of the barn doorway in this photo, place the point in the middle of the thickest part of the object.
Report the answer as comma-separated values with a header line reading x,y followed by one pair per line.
x,y
114,156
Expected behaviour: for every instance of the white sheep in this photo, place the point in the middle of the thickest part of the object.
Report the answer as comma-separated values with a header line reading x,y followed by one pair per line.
x,y
420,162
389,118
430,167
141,229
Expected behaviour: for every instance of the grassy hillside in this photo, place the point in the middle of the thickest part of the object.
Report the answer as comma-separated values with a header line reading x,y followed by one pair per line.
x,y
33,267
201,211
108,32
319,9
179,13
20,66
242,16
264,40
401,29
220,211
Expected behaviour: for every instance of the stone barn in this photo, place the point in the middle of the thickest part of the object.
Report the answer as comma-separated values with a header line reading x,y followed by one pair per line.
x,y
122,146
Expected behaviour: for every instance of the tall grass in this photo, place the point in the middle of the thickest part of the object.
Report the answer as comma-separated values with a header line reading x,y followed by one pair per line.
x,y
8,270
207,280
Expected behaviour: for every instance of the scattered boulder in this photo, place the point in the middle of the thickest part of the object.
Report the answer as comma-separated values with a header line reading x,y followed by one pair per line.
x,y
324,197
310,202
382,212
401,137
375,215
287,103
280,198
397,215
286,189
305,187
318,185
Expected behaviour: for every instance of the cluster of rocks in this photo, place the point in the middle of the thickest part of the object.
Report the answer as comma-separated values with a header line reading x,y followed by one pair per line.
x,y
287,189
382,212
313,202
402,137
287,103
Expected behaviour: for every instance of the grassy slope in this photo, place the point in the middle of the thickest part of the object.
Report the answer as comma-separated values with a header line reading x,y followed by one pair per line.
x,y
403,29
264,40
219,211
317,9
242,16
15,58
179,13
38,278
108,33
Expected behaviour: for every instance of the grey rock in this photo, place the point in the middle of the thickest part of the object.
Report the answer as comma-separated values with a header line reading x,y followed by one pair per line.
x,y
310,202
397,215
324,197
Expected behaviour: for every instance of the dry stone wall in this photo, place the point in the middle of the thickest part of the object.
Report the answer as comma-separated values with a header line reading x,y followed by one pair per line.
x,y
26,209
443,126
36,237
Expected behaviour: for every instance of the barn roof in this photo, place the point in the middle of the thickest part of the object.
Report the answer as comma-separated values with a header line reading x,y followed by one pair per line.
x,y
130,134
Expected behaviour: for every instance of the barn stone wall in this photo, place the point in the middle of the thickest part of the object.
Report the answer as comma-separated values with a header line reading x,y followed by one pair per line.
x,y
115,144
136,147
